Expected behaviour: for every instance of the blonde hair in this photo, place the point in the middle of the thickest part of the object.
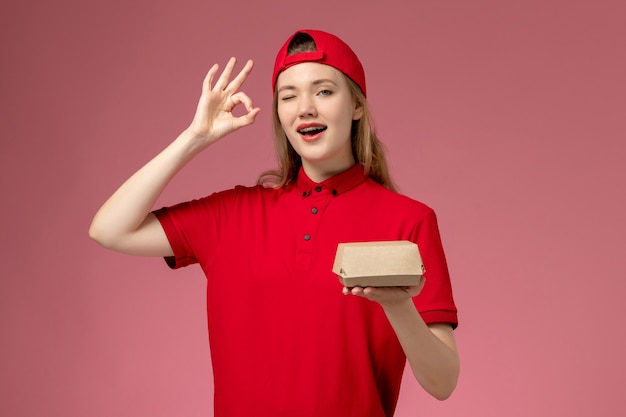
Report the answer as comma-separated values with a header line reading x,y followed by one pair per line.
x,y
367,149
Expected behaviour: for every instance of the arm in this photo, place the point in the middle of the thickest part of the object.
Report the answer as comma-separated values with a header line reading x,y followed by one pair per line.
x,y
124,223
430,349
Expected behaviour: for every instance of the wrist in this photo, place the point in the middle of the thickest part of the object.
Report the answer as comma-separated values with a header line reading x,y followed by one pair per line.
x,y
399,306
193,142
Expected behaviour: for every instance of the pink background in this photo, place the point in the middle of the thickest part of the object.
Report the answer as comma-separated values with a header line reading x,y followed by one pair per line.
x,y
507,117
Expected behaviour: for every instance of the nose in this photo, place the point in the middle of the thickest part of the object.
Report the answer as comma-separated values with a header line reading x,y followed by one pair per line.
x,y
306,107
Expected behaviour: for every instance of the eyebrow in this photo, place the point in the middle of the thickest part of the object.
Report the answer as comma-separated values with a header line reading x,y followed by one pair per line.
x,y
314,83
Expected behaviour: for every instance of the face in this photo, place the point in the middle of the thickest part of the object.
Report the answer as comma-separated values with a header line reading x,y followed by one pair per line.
x,y
316,110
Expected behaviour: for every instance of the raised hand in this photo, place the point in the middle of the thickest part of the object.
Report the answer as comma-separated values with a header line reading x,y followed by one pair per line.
x,y
214,116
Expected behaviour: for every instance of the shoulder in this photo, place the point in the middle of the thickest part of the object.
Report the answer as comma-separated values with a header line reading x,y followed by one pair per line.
x,y
239,192
224,199
394,201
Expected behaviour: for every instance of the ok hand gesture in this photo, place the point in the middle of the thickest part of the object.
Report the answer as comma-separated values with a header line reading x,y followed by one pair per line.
x,y
214,118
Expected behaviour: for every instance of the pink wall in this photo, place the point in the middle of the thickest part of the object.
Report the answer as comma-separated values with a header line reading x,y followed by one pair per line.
x,y
507,117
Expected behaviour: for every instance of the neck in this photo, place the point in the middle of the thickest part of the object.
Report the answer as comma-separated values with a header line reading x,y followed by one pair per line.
x,y
321,171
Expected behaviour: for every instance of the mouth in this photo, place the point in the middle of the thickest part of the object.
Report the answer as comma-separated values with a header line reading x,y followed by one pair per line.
x,y
311,131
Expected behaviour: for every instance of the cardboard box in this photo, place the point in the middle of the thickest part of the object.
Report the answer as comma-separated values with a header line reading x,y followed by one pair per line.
x,y
378,264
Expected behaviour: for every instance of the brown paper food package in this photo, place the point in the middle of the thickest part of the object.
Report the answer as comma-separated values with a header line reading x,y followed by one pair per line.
x,y
378,264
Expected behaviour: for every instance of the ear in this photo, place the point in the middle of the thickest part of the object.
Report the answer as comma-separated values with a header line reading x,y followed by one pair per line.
x,y
358,110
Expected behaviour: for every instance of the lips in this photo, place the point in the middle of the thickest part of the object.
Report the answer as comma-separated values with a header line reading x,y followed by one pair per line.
x,y
311,131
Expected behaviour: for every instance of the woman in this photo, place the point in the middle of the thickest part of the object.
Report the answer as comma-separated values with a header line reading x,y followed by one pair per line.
x,y
284,339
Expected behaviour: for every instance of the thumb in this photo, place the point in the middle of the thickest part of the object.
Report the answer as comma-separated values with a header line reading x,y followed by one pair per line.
x,y
246,119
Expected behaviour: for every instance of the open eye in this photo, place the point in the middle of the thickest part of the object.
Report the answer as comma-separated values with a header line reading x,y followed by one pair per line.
x,y
325,92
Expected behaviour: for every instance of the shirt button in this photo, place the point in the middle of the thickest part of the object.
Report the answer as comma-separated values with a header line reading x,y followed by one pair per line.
x,y
307,237
314,210
318,189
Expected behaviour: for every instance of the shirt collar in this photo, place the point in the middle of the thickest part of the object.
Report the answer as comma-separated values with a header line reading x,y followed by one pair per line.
x,y
335,185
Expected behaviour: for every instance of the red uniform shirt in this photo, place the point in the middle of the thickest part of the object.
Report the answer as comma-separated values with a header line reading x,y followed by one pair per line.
x,y
284,339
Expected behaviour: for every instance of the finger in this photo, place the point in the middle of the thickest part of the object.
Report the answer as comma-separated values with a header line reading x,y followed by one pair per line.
x,y
241,77
222,82
242,98
208,79
246,119
367,291
356,290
